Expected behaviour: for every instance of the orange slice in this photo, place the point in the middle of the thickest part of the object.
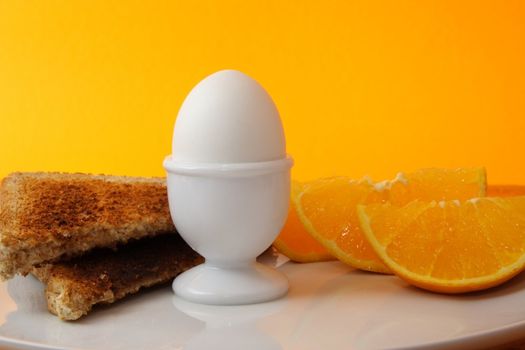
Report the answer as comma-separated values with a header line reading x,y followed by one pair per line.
x,y
449,247
327,207
294,241
505,190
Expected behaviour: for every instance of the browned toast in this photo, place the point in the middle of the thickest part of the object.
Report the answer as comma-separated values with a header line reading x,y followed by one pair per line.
x,y
47,216
104,275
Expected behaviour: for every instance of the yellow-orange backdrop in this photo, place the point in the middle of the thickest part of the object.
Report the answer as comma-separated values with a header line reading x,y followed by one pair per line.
x,y
363,87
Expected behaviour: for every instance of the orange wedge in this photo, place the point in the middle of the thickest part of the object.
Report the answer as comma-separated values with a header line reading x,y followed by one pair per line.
x,y
327,207
505,190
449,247
294,241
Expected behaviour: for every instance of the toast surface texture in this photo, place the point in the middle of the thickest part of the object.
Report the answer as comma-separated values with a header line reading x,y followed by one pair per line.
x,y
48,216
104,275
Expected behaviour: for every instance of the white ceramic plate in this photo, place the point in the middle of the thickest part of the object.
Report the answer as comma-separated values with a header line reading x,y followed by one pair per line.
x,y
329,306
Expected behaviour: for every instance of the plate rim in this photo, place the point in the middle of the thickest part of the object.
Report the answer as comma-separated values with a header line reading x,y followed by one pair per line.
x,y
496,336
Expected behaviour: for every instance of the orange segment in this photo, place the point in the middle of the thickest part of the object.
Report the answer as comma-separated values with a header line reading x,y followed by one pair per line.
x,y
327,207
505,190
449,247
294,241
440,184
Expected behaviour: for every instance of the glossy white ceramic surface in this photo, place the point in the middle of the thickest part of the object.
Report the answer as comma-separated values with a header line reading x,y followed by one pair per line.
x,y
236,285
229,220
329,306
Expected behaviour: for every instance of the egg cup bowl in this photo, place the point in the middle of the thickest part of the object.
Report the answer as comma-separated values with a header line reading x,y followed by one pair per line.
x,y
230,214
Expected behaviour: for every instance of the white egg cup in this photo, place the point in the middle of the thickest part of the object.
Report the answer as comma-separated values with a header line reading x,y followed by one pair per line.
x,y
230,214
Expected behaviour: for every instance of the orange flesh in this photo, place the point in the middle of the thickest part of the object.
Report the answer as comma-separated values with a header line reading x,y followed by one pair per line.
x,y
328,207
450,247
440,184
297,244
294,241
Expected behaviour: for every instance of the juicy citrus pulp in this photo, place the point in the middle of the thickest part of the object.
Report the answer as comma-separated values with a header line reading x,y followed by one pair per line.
x,y
327,207
294,241
451,246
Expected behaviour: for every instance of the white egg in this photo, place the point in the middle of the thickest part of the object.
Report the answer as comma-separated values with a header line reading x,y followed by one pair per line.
x,y
228,118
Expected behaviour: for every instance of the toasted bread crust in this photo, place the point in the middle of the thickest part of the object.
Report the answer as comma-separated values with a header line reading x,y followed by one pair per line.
x,y
104,275
46,216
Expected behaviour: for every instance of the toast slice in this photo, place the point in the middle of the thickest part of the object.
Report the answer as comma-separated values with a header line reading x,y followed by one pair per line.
x,y
104,275
48,216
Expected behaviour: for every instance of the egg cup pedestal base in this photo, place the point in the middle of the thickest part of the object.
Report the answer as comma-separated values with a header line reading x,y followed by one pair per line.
x,y
238,284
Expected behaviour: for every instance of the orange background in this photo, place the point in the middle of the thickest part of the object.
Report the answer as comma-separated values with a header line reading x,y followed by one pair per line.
x,y
363,87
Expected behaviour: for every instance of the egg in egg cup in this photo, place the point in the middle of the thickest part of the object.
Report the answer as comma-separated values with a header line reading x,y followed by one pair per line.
x,y
228,183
